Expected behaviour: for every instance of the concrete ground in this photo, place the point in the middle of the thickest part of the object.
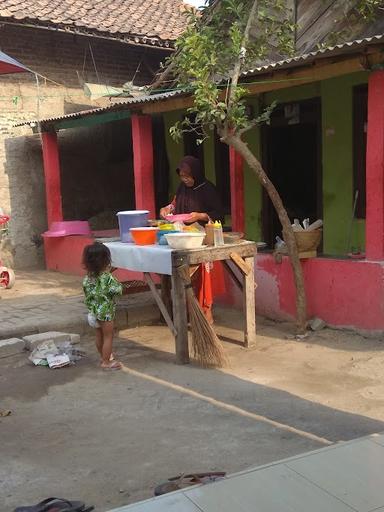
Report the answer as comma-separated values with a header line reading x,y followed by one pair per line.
x,y
44,301
109,437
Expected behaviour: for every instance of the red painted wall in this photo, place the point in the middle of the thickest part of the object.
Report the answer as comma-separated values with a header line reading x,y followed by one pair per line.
x,y
375,168
344,293
64,254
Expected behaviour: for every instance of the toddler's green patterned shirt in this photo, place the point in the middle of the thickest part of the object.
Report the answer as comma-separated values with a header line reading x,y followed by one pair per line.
x,y
100,293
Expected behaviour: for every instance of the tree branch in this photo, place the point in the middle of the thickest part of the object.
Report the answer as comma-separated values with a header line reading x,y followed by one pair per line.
x,y
237,69
251,125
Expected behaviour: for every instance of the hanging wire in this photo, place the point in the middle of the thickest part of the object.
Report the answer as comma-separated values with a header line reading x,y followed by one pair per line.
x,y
137,70
94,63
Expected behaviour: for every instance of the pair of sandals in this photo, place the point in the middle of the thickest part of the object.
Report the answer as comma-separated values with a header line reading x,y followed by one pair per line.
x,y
56,505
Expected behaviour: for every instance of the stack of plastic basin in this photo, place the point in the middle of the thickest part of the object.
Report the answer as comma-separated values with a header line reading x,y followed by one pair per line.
x,y
131,219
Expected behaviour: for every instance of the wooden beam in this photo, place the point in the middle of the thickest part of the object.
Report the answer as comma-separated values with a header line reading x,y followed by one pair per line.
x,y
249,305
284,78
240,263
168,105
310,73
160,303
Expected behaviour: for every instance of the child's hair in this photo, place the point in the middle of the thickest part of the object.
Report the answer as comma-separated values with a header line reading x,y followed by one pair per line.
x,y
96,258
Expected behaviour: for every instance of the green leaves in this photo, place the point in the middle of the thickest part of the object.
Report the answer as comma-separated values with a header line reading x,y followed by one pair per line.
x,y
214,45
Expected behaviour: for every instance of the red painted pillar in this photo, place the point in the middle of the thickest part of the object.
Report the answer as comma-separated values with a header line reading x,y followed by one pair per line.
x,y
237,190
52,177
143,164
374,227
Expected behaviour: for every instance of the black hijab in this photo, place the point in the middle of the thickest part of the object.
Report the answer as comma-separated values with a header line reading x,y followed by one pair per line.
x,y
202,197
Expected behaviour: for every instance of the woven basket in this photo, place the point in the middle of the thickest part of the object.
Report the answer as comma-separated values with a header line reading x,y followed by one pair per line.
x,y
308,240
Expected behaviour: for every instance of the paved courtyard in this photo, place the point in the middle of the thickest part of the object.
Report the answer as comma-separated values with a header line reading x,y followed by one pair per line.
x,y
109,438
48,301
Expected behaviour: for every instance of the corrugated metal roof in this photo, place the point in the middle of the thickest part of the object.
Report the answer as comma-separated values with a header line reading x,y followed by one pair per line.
x,y
340,49
116,106
306,58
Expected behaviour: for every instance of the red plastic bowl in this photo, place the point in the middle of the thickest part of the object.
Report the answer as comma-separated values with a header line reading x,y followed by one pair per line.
x,y
144,236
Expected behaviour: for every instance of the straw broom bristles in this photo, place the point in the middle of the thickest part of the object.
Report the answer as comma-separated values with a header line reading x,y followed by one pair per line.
x,y
206,346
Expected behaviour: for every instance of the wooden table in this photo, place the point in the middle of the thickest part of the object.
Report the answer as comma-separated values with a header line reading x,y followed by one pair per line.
x,y
234,256
238,259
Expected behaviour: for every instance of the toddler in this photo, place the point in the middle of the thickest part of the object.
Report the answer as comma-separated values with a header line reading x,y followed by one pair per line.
x,y
100,290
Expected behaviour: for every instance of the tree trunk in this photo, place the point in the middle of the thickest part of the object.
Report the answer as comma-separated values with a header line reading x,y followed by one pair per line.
x,y
288,234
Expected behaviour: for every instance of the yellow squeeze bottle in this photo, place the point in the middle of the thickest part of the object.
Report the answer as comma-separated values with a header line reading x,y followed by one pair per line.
x,y
218,238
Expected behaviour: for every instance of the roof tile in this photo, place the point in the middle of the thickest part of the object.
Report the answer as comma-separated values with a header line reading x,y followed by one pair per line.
x,y
163,20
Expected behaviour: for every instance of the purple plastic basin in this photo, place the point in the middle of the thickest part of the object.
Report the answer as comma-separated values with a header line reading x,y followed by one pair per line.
x,y
131,219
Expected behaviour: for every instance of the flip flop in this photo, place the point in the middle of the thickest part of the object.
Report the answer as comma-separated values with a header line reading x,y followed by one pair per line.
x,y
111,359
113,366
180,482
54,505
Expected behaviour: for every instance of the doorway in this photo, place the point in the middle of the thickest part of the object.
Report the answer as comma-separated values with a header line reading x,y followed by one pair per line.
x,y
292,159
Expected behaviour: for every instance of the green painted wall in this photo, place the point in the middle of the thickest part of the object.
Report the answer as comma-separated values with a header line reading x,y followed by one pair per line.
x,y
336,98
252,186
337,153
337,164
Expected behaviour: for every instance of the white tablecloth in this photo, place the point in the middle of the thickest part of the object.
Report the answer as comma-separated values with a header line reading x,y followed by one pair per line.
x,y
141,258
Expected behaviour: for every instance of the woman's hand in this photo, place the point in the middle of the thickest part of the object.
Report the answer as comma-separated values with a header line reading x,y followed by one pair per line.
x,y
197,216
164,212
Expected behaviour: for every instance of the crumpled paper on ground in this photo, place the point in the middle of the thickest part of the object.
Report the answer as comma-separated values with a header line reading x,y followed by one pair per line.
x,y
55,354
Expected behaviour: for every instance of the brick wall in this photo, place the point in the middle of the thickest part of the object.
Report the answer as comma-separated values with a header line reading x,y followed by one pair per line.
x,y
62,58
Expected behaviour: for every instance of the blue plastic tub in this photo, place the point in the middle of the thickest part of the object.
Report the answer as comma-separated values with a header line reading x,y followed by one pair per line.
x,y
131,219
161,240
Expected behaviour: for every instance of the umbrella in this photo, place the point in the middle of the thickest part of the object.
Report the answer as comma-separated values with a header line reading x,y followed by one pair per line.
x,y
10,65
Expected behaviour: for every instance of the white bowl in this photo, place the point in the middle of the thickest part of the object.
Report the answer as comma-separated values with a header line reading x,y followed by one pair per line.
x,y
185,240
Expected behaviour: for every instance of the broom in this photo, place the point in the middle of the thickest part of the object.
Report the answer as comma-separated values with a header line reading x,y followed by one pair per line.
x,y
206,346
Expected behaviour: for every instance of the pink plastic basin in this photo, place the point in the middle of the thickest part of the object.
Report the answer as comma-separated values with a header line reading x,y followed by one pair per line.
x,y
182,217
68,227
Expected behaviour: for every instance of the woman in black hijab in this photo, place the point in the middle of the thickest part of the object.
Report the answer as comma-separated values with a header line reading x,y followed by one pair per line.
x,y
195,194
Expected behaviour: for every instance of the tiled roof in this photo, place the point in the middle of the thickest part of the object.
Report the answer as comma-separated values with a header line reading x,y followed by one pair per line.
x,y
156,22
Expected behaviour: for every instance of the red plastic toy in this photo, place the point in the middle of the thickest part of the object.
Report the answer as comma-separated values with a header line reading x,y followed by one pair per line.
x,y
7,275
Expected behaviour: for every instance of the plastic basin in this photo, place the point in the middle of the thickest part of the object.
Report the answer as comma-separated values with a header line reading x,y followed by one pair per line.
x,y
161,235
68,227
179,217
144,235
131,219
185,240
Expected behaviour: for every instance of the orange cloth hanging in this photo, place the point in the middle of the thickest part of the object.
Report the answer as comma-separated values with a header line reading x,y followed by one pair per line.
x,y
205,292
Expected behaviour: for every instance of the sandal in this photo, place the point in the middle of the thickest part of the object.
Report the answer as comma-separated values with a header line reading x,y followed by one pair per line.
x,y
112,358
180,482
56,505
112,365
